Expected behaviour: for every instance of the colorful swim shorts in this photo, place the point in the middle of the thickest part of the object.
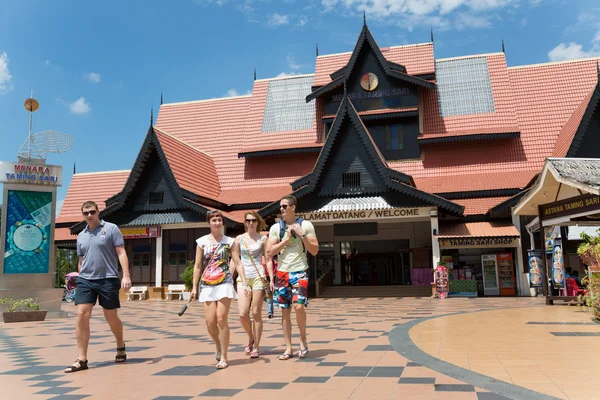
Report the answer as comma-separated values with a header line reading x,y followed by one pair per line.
x,y
290,288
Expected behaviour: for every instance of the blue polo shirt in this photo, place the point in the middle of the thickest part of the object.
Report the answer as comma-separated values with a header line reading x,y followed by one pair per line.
x,y
97,247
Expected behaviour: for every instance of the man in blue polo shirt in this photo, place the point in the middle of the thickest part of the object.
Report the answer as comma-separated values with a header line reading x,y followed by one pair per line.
x,y
101,249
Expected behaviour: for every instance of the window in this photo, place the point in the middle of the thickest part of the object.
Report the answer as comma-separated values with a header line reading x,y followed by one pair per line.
x,y
394,137
156,197
351,179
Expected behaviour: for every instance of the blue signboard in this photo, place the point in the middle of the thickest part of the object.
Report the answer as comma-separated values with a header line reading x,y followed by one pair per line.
x,y
28,223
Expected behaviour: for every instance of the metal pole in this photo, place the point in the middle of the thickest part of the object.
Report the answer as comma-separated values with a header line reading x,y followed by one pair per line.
x,y
545,264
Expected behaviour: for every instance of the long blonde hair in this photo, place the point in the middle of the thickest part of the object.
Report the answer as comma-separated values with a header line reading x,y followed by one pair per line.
x,y
260,223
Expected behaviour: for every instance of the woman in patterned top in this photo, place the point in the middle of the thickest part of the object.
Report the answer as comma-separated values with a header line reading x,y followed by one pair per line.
x,y
212,262
248,251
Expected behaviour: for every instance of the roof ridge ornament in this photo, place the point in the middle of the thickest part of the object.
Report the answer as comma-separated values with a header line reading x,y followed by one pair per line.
x,y
152,115
161,98
317,47
503,46
254,73
431,35
364,18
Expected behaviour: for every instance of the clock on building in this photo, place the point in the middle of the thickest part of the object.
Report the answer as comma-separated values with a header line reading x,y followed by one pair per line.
x,y
369,81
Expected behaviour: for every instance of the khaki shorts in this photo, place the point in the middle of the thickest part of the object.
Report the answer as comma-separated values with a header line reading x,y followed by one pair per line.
x,y
254,283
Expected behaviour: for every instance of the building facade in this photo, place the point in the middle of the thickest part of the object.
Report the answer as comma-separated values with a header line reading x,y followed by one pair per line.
x,y
401,161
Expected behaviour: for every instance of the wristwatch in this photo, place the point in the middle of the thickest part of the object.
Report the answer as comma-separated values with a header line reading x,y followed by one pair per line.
x,y
303,235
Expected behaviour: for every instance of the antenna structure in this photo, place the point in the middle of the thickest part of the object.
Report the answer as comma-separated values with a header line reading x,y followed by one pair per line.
x,y
38,145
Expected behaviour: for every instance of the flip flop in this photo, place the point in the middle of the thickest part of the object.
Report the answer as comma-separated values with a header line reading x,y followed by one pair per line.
x,y
254,354
285,356
248,348
303,352
222,364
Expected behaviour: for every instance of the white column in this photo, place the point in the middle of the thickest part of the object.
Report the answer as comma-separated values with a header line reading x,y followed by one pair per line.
x,y
159,251
435,244
522,278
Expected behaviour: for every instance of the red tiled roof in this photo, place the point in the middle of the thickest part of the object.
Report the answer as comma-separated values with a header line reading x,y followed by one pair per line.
x,y
254,195
479,206
504,106
477,229
281,146
381,111
253,134
214,127
94,186
568,131
193,170
63,235
472,182
417,58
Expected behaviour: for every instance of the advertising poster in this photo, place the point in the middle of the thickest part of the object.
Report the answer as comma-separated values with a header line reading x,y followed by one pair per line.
x,y
558,272
28,223
551,234
534,259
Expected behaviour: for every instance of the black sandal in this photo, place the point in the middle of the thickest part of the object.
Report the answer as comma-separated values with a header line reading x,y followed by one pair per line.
x,y
121,355
82,365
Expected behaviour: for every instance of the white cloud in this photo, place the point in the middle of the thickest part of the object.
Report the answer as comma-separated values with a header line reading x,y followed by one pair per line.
x,y
278,20
234,93
286,74
292,62
302,21
523,22
572,51
47,62
411,14
5,76
93,77
80,106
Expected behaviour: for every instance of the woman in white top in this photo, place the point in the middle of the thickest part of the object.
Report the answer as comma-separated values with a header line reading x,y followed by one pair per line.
x,y
248,251
212,262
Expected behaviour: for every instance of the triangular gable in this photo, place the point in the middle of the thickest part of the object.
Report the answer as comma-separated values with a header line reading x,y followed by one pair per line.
x,y
392,180
153,149
391,69
574,138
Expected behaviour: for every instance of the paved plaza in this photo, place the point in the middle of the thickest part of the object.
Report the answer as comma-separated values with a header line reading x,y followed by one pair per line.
x,y
409,348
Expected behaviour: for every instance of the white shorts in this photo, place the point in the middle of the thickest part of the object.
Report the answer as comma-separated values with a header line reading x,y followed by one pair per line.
x,y
217,292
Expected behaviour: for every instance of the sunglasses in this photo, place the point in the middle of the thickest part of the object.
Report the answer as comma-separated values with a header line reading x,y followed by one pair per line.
x,y
285,206
86,213
251,220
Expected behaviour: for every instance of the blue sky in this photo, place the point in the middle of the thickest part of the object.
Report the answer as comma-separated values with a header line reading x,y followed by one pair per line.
x,y
98,67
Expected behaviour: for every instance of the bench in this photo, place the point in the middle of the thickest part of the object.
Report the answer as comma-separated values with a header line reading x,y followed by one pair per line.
x,y
174,289
139,291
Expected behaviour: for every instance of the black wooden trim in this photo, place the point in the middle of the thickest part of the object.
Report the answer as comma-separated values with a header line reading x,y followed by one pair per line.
x,y
324,89
585,122
390,115
279,152
391,69
426,77
480,193
465,138
411,79
303,181
507,204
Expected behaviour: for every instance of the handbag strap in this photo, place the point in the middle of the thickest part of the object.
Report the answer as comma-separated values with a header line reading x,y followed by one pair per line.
x,y
252,259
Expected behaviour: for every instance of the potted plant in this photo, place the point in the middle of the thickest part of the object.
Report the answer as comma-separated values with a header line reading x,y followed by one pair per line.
x,y
22,310
188,279
589,252
590,300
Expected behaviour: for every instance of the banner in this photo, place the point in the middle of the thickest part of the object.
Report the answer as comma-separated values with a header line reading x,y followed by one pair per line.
x,y
138,232
551,233
28,223
534,259
558,272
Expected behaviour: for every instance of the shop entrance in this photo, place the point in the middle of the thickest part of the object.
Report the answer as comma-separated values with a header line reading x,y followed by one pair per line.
x,y
375,262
